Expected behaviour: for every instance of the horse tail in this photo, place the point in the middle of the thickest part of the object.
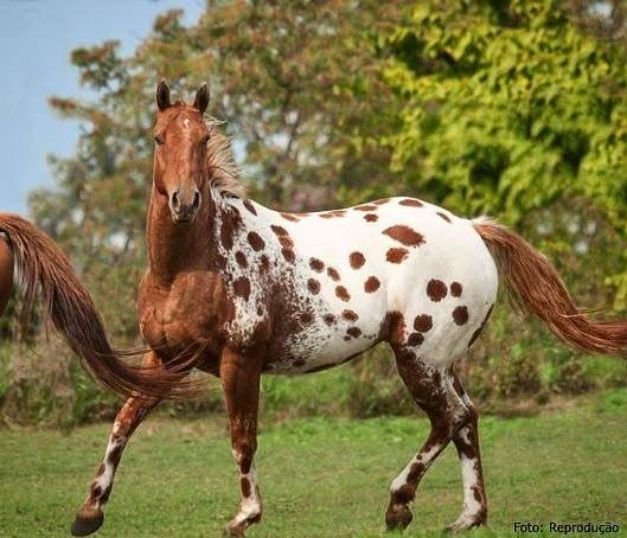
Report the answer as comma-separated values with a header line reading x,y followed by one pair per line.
x,y
538,289
6,274
46,272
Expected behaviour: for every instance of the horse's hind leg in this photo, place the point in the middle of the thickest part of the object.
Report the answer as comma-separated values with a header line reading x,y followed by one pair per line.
x,y
90,517
475,510
433,391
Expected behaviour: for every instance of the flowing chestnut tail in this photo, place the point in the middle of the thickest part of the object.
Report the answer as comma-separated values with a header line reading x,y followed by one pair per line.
x,y
538,289
47,272
6,273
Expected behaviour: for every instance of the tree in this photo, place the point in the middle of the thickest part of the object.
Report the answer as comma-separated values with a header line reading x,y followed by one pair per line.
x,y
513,109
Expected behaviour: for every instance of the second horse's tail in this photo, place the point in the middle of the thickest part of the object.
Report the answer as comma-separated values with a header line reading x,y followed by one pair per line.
x,y
46,271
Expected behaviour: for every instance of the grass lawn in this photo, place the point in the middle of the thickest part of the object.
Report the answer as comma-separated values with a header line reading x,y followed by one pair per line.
x,y
319,477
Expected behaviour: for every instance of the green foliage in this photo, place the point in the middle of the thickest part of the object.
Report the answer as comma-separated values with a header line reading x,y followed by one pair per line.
x,y
510,107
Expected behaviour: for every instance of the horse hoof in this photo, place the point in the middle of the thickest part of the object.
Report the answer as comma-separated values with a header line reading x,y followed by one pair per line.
x,y
87,522
465,523
398,517
235,531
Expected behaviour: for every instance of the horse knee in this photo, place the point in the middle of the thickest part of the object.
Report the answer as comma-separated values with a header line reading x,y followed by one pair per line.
x,y
444,424
468,417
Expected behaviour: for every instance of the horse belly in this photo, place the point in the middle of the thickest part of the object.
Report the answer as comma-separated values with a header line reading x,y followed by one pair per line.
x,y
322,346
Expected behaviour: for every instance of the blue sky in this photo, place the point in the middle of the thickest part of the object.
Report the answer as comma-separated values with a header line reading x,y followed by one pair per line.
x,y
36,38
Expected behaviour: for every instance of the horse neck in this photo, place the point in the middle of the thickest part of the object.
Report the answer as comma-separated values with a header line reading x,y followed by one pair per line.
x,y
175,248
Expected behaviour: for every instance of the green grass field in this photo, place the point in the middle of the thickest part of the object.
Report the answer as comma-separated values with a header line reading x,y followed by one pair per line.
x,y
319,477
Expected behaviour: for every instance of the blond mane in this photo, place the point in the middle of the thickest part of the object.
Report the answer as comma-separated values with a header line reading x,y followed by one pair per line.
x,y
224,174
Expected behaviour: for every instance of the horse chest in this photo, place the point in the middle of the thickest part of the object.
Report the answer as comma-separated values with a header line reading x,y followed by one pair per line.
x,y
192,310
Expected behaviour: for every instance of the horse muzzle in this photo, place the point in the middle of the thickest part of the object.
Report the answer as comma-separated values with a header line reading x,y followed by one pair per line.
x,y
184,206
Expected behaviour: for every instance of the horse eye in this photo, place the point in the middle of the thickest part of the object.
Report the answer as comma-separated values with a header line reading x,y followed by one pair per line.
x,y
206,138
158,139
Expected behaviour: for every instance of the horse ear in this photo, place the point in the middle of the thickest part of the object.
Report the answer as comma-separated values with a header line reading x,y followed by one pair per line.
x,y
163,96
202,99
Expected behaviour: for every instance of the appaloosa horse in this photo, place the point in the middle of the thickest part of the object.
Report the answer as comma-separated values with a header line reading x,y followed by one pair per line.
x,y
236,289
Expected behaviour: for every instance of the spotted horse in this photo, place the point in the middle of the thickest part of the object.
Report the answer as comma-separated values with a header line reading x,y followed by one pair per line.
x,y
239,290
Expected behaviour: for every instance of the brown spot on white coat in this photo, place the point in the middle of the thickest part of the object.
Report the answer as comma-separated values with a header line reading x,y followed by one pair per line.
x,y
415,339
436,290
423,323
342,293
255,241
333,274
460,315
444,216
357,260
372,284
404,235
316,264
288,254
240,257
411,202
456,289
279,230
313,286
289,216
355,332
241,287
396,255
248,205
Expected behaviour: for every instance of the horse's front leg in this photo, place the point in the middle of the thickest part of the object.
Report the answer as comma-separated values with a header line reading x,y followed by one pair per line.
x,y
240,378
90,516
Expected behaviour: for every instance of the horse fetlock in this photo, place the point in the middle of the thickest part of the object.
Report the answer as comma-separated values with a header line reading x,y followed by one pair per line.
x,y
243,520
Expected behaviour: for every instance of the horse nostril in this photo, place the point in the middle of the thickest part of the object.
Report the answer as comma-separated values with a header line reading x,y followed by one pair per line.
x,y
175,201
196,203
